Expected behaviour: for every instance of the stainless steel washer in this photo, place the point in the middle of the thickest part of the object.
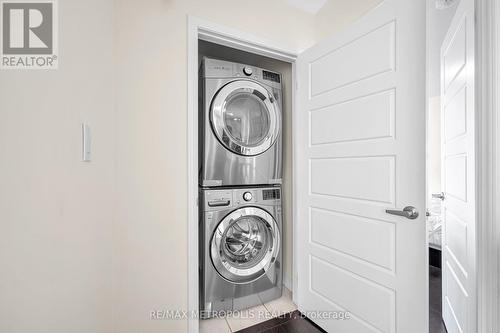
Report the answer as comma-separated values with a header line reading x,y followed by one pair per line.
x,y
240,125
240,248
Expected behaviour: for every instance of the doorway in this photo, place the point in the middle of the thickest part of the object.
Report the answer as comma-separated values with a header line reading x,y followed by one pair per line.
x,y
212,40
438,23
451,163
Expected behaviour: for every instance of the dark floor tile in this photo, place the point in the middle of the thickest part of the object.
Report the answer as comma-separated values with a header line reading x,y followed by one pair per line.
x,y
435,289
435,274
436,324
300,325
434,257
292,322
274,322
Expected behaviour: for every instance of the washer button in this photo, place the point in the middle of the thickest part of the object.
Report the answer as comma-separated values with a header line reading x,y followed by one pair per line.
x,y
248,71
247,196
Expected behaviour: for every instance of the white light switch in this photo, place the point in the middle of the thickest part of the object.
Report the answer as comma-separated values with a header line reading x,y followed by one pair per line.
x,y
85,142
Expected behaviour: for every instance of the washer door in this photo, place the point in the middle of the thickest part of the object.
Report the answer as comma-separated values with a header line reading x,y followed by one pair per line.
x,y
245,244
245,117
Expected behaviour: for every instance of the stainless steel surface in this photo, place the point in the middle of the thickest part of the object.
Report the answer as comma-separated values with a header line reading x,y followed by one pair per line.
x,y
240,126
240,248
409,212
438,195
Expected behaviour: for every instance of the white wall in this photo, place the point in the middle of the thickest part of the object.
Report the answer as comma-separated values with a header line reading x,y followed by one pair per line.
x,y
337,14
56,213
94,247
438,22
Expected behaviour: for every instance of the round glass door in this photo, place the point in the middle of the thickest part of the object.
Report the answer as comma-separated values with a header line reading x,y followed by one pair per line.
x,y
245,117
245,244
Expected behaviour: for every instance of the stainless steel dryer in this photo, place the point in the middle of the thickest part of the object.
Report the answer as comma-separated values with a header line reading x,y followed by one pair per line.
x,y
240,248
240,125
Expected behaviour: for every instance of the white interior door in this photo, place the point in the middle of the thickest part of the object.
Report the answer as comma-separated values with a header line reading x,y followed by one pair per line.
x,y
360,149
458,171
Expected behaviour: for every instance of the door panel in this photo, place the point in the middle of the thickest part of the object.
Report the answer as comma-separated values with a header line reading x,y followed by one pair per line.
x,y
455,56
379,43
377,250
340,122
357,181
349,288
360,150
455,116
458,171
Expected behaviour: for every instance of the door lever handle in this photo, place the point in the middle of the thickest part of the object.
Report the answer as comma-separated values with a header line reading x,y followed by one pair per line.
x,y
409,212
438,195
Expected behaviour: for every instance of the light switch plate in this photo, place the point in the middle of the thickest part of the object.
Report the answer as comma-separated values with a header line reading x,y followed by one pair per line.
x,y
86,140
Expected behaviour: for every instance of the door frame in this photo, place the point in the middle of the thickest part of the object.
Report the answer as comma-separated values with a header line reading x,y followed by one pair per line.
x,y
200,29
487,95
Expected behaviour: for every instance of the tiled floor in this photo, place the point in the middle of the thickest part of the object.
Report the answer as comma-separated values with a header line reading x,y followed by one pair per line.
x,y
246,318
289,320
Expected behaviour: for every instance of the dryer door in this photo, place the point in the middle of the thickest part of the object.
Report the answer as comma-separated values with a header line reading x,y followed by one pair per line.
x,y
245,117
245,244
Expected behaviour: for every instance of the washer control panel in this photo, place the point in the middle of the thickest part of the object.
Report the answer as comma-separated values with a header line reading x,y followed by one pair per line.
x,y
261,196
218,198
222,199
271,194
245,196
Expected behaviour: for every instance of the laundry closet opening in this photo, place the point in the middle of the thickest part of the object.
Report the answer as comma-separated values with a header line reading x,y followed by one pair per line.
x,y
245,185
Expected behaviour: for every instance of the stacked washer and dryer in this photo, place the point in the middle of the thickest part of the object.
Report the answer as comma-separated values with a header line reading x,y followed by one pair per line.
x,y
240,186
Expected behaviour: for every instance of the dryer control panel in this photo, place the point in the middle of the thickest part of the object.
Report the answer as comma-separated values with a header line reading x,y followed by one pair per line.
x,y
214,68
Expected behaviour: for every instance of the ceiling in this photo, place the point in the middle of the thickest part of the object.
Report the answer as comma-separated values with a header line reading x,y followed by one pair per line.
x,y
310,6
